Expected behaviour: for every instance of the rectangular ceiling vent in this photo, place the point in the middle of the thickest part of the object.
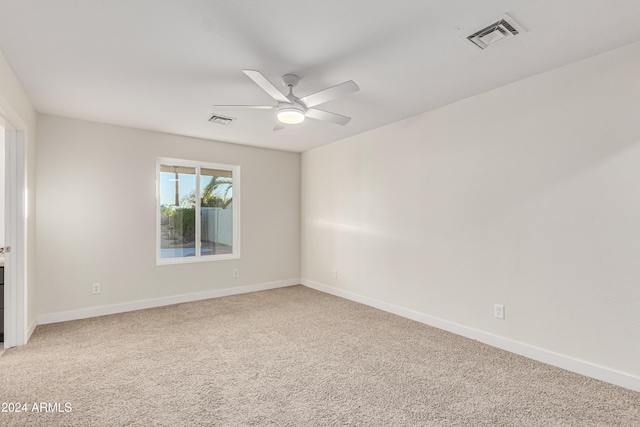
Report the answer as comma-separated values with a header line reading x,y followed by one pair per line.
x,y
505,27
221,120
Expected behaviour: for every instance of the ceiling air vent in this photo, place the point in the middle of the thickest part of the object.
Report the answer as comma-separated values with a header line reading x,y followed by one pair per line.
x,y
222,120
505,27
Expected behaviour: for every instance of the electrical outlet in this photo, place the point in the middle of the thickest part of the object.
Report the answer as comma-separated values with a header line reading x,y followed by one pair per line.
x,y
335,274
95,288
498,311
236,273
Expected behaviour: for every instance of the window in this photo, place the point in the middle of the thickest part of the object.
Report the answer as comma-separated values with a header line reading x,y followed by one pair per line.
x,y
198,211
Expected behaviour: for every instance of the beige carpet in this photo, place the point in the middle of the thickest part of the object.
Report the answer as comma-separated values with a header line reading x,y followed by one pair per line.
x,y
290,357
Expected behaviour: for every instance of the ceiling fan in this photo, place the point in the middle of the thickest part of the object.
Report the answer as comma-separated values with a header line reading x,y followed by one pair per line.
x,y
291,109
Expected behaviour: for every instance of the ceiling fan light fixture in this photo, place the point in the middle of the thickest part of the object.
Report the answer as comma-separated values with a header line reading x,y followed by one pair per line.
x,y
292,109
290,116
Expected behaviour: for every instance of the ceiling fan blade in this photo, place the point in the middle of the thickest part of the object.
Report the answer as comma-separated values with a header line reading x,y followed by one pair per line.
x,y
278,126
251,107
314,113
329,94
266,85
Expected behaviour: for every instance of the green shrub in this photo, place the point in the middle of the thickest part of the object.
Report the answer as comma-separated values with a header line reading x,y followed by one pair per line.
x,y
180,222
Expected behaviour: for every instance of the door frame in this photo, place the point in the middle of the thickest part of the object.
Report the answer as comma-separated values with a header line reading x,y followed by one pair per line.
x,y
15,292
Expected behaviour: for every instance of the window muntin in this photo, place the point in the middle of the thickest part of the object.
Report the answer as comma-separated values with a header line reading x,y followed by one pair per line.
x,y
197,210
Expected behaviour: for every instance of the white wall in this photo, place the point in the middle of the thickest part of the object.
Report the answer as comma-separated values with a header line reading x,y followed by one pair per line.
x,y
527,196
97,209
17,110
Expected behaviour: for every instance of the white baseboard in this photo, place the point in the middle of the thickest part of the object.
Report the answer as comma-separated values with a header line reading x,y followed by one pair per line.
x,y
32,327
536,353
84,313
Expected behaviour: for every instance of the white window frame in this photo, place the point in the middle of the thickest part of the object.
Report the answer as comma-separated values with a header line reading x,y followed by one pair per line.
x,y
235,173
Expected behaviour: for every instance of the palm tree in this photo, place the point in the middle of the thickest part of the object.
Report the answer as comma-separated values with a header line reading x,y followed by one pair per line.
x,y
210,199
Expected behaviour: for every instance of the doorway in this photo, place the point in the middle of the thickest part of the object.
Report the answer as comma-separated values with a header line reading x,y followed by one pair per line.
x,y
13,232
2,245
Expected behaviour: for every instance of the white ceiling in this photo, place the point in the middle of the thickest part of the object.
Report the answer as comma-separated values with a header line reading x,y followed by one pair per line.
x,y
162,64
